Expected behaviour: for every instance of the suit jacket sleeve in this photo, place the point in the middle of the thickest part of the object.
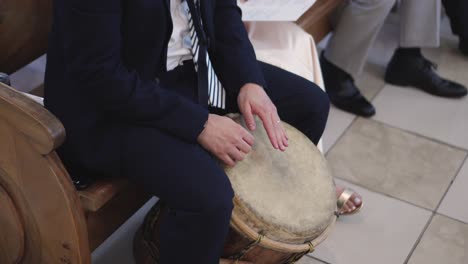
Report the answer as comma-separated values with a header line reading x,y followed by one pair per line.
x,y
92,50
234,57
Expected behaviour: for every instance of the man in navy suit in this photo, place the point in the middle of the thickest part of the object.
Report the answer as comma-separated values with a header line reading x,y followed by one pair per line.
x,y
121,78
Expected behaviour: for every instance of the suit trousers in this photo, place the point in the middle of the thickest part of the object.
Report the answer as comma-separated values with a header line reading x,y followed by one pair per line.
x,y
457,11
190,181
360,21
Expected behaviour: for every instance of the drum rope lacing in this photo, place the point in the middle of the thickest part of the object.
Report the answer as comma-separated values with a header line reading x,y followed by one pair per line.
x,y
293,259
247,248
296,257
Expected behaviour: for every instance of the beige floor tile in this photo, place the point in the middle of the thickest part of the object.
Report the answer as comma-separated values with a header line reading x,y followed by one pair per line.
x,y
370,83
445,241
456,200
410,109
435,117
384,232
338,122
308,260
395,162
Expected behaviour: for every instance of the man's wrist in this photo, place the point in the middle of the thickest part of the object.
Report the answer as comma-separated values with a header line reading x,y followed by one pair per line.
x,y
251,85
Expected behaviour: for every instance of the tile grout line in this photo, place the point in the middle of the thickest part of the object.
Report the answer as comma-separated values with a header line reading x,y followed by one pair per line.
x,y
383,194
406,130
451,183
355,117
414,134
342,134
453,219
416,243
435,211
315,258
421,135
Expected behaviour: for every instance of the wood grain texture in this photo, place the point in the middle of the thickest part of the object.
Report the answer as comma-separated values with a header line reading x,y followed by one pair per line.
x,y
12,238
114,213
99,193
45,201
41,127
24,28
316,21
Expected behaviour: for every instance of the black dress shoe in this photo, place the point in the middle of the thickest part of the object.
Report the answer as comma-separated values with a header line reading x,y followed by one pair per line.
x,y
342,91
417,71
463,45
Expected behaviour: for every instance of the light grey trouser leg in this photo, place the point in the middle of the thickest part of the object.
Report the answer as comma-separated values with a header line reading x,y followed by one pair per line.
x,y
420,23
356,31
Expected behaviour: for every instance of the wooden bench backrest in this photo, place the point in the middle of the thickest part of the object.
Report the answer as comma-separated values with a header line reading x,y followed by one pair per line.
x,y
24,28
316,21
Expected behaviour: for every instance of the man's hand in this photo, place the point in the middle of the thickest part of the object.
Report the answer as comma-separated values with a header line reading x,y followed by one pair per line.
x,y
226,139
253,100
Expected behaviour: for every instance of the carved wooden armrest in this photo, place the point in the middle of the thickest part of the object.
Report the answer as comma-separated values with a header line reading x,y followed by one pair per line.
x,y
38,202
41,127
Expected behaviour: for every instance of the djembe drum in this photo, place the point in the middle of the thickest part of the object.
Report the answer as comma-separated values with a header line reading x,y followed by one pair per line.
x,y
284,204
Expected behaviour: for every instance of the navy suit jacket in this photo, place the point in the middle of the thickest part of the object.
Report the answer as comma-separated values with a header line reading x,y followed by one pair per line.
x,y
104,59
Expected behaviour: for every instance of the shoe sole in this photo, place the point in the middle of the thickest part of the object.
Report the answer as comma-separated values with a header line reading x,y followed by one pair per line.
x,y
349,110
401,84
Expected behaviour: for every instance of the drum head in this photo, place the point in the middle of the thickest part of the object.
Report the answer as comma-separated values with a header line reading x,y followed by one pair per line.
x,y
286,196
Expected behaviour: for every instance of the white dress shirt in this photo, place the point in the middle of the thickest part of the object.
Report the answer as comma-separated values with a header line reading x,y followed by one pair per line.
x,y
179,46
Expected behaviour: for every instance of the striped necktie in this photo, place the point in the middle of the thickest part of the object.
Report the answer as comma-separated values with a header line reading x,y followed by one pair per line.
x,y
210,88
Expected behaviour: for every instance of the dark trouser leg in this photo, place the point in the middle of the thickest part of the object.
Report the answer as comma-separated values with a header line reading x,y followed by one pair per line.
x,y
456,11
196,190
300,102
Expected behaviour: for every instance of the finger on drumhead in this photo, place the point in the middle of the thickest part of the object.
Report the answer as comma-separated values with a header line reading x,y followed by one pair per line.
x,y
276,123
236,154
247,137
228,160
244,146
285,136
279,138
266,120
249,117
282,136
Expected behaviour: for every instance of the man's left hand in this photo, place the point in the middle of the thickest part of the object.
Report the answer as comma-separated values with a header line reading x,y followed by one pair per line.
x,y
253,100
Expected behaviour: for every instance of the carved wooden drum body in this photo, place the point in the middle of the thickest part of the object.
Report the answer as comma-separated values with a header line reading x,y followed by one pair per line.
x,y
284,204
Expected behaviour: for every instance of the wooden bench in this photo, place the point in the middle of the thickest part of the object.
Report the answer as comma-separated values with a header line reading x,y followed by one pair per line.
x,y
43,218
317,20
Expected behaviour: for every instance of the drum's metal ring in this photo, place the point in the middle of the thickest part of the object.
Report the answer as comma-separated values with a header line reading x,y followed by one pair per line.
x,y
266,242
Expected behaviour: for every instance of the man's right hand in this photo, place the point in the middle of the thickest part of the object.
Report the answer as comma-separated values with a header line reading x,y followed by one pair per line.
x,y
226,139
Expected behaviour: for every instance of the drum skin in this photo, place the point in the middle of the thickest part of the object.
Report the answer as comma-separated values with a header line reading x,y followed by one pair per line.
x,y
284,204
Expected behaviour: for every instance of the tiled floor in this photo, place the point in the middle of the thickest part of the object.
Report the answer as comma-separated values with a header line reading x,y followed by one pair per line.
x,y
409,163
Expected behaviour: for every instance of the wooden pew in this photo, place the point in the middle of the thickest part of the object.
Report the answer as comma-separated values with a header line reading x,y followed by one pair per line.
x,y
43,217
46,219
316,21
